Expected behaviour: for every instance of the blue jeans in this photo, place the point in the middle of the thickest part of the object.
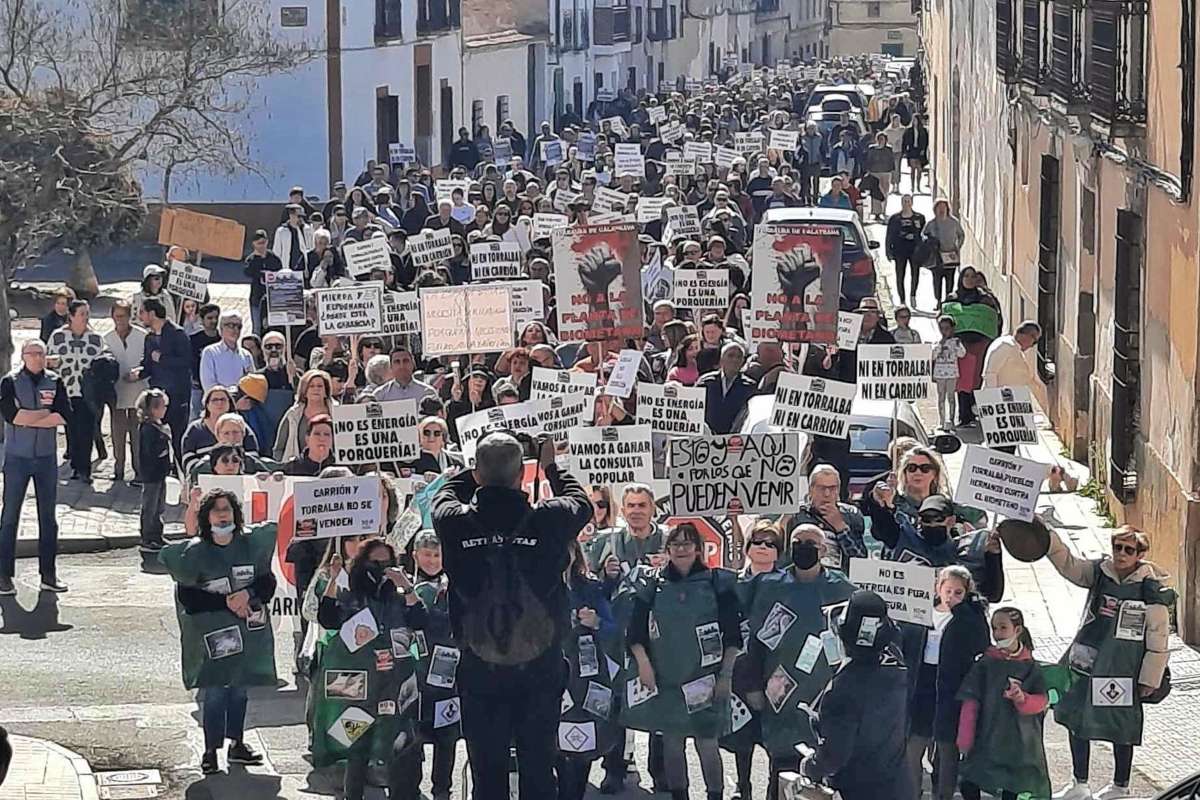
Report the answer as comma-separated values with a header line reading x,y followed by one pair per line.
x,y
18,471
224,715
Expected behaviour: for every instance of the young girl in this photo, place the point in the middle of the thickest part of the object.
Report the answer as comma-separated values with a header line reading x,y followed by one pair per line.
x,y
946,354
189,316
154,450
1000,727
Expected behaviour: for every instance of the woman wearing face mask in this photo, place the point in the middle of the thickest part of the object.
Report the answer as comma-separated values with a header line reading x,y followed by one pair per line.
x,y
346,548
366,686
1004,699
938,660
224,587
684,635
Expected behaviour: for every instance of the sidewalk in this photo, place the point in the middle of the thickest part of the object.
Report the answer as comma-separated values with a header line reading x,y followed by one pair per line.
x,y
42,770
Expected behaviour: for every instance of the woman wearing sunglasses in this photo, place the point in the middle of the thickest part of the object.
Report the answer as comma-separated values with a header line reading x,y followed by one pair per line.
x,y
436,453
1118,659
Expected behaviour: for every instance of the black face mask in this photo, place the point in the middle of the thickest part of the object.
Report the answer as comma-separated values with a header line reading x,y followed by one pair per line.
x,y
804,555
934,534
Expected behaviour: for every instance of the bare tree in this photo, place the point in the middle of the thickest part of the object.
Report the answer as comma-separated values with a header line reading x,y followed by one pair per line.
x,y
94,92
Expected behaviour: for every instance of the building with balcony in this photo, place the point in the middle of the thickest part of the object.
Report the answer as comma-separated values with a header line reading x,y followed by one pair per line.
x,y
872,26
1067,146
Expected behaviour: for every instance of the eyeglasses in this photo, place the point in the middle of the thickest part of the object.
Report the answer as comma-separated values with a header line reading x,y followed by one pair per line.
x,y
216,399
683,544
237,326
1127,549
601,504
231,460
432,433
272,347
771,543
934,518
923,468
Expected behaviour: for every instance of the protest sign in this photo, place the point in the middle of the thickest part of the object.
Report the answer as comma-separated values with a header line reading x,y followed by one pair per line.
x,y
524,417
681,221
812,405
628,160
495,261
350,310
624,374
906,588
372,433
616,125
657,114
797,280
1006,416
650,209
401,153
552,382
444,187
784,140
466,319
1000,483
673,410
597,271
528,303
607,199
188,280
737,474
552,152
658,281
725,156
368,255
285,297
702,289
849,328
430,247
337,507
610,218
203,233
675,165
700,152
585,147
567,411
563,198
544,224
613,455
895,371
748,142
401,313
501,152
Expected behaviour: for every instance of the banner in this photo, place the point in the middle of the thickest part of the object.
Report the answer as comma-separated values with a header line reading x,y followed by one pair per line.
x,y
188,280
797,280
515,418
401,313
554,382
368,255
337,507
466,319
350,310
203,233
429,248
528,303
736,474
907,588
1000,483
285,298
597,271
702,289
813,405
672,410
614,455
1006,416
895,371
372,433
628,160
495,261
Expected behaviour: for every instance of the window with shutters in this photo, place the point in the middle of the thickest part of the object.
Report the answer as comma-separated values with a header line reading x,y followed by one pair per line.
x,y
1031,42
387,19
1126,380
1006,55
1117,71
476,116
1062,49
502,110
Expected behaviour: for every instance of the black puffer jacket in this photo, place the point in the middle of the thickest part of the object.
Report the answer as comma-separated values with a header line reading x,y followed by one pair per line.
x,y
98,384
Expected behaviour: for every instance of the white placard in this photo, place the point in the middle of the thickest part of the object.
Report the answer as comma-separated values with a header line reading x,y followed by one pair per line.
x,y
466,319
495,261
554,382
674,164
650,209
524,417
401,153
563,198
607,199
401,313
624,374
784,140
755,473
350,309
528,303
610,218
372,433
725,157
1006,416
700,152
628,160
748,142
812,405
188,281
337,507
614,455
445,187
657,114
997,482
544,224
681,221
702,289
566,412
617,125
849,327
895,371
672,410
907,588
368,255
430,247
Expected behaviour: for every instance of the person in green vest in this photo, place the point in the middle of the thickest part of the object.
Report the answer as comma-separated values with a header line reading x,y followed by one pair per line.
x,y
792,649
1118,657
684,635
366,685
1004,700
223,592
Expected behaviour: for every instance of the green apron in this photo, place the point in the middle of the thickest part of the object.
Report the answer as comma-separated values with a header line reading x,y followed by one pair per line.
x,y
364,691
438,701
218,647
793,631
635,583
1008,753
1105,659
683,620
745,730
588,721
594,548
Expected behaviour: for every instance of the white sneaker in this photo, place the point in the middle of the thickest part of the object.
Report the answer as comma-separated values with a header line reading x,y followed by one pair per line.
x,y
1112,792
1076,791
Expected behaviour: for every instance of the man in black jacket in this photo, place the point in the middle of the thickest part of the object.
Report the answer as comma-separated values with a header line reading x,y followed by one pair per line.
x,y
727,390
509,610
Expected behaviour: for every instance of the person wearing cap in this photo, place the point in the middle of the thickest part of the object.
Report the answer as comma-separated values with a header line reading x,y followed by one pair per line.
x,y
276,370
386,213
337,198
260,261
293,238
153,281
250,399
863,712
871,331
296,198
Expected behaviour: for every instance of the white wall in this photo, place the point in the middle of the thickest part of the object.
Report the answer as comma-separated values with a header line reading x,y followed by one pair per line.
x,y
491,72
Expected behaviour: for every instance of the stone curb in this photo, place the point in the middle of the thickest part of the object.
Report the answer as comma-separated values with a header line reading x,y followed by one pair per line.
x,y
76,545
88,789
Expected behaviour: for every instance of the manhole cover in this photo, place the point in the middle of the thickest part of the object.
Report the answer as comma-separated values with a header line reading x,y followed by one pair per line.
x,y
128,777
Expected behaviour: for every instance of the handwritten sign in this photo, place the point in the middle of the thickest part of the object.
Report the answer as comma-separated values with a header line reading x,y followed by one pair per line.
x,y
737,474
895,371
337,507
372,433
1006,416
466,319
528,302
362,258
813,405
1000,483
672,410
603,456
349,310
188,280
849,327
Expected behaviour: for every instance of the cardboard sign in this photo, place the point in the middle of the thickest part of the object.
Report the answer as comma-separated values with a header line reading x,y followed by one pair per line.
x,y
524,417
554,382
1000,483
528,303
337,507
624,374
613,455
671,410
681,221
401,313
495,261
895,371
736,474
466,319
907,588
366,256
748,143
565,412
372,433
650,209
813,405
204,233
285,298
702,289
849,327
700,152
607,199
786,141
429,247
188,280
1006,416
401,153
544,224
628,160
798,273
350,310
597,272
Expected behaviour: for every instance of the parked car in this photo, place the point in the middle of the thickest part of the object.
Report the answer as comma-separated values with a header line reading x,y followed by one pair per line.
x,y
855,93
1186,789
858,264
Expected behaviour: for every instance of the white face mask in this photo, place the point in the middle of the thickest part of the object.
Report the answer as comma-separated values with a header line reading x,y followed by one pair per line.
x,y
222,534
1006,644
